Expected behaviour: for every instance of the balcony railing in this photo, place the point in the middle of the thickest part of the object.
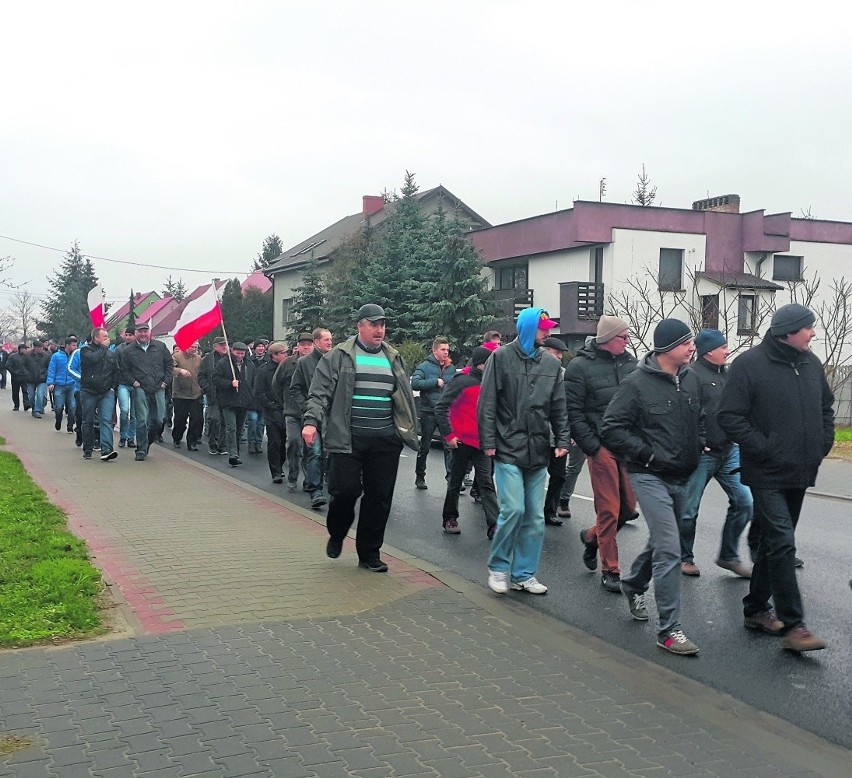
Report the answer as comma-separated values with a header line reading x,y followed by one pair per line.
x,y
581,304
510,302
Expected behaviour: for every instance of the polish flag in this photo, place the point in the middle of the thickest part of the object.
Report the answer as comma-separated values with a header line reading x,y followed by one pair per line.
x,y
200,316
95,301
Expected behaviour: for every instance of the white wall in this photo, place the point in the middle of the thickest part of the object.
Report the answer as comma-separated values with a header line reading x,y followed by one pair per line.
x,y
284,284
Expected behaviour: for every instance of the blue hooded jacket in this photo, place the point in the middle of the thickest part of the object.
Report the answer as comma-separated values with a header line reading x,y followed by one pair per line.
x,y
527,326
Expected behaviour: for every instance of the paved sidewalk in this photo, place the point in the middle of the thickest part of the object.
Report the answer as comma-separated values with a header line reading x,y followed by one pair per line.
x,y
248,652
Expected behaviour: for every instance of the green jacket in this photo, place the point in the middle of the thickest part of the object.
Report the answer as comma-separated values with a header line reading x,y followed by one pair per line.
x,y
329,405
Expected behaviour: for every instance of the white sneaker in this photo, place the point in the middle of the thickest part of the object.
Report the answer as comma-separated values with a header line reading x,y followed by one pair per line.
x,y
498,582
531,585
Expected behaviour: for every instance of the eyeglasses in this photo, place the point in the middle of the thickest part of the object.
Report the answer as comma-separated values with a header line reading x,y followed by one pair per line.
x,y
623,337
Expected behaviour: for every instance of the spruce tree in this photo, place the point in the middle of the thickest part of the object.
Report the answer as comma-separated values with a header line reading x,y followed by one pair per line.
x,y
309,302
272,249
232,310
66,307
131,317
392,270
176,289
256,315
455,300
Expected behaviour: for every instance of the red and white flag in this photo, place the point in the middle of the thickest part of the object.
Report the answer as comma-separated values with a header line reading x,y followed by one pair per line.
x,y
95,300
201,315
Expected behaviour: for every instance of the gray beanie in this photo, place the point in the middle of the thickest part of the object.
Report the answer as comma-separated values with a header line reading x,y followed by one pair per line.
x,y
790,318
608,328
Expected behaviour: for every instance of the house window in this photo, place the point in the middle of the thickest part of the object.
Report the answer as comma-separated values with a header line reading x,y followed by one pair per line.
x,y
710,311
746,314
286,310
671,270
786,268
512,277
596,265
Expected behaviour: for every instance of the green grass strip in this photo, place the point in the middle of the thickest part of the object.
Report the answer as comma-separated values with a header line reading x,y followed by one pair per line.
x,y
48,588
843,434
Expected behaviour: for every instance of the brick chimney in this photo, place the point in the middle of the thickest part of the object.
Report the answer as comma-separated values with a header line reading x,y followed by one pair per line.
x,y
723,204
372,204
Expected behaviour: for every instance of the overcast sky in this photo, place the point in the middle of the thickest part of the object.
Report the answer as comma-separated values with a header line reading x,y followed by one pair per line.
x,y
181,134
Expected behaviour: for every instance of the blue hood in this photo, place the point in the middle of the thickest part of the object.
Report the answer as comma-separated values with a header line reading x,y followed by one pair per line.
x,y
527,326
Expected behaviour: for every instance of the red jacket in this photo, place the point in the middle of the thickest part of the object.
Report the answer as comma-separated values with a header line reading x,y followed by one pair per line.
x,y
455,411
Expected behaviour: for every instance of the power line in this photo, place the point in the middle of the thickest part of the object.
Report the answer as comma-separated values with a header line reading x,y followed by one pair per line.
x,y
127,262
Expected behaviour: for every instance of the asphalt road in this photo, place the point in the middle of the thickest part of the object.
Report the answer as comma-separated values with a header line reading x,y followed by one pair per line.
x,y
813,691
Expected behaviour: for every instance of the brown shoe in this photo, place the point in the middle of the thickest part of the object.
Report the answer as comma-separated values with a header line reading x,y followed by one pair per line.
x,y
689,568
801,639
766,621
736,567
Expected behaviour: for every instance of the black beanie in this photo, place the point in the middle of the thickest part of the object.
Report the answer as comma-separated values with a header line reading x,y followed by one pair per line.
x,y
790,318
670,333
479,356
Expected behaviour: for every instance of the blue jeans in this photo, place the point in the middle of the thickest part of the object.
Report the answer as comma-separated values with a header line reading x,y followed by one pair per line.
x,y
126,416
104,403
662,502
517,543
295,446
63,400
725,469
150,412
312,462
37,394
254,423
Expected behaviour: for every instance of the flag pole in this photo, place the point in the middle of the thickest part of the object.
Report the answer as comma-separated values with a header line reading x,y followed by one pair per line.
x,y
225,335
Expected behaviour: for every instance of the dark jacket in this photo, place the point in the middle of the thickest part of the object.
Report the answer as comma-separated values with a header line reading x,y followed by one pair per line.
x,y
281,382
712,379
521,399
424,379
151,367
329,407
778,406
456,409
226,395
268,400
36,367
205,375
654,423
300,384
17,366
591,380
99,370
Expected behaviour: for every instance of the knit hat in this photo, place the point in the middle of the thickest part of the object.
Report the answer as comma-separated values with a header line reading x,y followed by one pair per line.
x,y
708,340
556,343
608,328
480,356
669,334
790,318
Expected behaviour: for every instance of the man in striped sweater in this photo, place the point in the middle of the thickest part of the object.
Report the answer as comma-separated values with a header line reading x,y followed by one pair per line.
x,y
361,400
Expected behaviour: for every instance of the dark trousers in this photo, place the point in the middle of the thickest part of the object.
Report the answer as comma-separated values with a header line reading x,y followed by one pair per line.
x,y
276,445
427,429
463,456
188,418
776,513
556,480
215,428
370,469
19,389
